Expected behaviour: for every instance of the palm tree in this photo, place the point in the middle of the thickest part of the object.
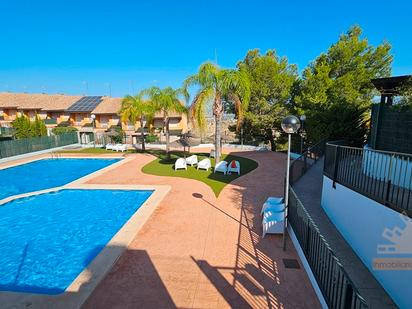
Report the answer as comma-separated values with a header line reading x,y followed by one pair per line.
x,y
166,101
217,86
134,109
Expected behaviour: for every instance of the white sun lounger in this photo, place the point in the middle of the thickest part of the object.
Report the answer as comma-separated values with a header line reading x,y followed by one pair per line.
x,y
272,223
212,153
180,164
109,146
221,167
204,164
235,168
120,147
192,160
273,203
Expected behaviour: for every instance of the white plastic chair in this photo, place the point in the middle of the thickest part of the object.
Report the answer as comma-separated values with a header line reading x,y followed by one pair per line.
x,y
205,164
273,203
109,146
233,167
120,147
180,164
212,153
272,223
221,167
192,160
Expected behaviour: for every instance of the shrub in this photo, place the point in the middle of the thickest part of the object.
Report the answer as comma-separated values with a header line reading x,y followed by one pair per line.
x,y
116,135
26,128
39,128
151,138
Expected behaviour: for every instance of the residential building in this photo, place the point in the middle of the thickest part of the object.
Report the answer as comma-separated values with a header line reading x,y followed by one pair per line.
x,y
78,111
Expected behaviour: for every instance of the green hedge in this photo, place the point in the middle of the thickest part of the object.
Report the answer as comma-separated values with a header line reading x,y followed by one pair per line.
x,y
63,130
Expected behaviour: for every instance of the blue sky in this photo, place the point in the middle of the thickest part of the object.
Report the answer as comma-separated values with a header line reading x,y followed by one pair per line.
x,y
66,46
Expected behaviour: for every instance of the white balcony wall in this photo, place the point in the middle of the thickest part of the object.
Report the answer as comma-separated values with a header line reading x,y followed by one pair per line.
x,y
362,222
378,164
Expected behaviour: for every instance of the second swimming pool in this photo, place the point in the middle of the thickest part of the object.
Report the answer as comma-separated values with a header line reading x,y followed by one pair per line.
x,y
47,173
47,240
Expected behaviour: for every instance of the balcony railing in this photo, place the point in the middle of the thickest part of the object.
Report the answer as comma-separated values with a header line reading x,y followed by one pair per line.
x,y
335,284
300,165
337,288
50,121
383,176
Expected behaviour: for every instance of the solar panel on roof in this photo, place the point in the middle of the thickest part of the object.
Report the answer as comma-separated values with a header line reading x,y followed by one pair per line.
x,y
85,104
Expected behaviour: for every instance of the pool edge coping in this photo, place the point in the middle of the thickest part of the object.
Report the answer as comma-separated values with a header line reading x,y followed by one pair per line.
x,y
84,284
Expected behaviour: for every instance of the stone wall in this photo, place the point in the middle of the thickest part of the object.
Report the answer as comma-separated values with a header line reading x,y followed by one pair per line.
x,y
209,133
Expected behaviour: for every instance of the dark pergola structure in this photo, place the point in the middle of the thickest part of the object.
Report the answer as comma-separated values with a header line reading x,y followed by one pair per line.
x,y
390,86
390,129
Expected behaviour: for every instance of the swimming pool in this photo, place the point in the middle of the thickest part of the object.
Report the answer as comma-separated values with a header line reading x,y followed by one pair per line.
x,y
48,239
46,173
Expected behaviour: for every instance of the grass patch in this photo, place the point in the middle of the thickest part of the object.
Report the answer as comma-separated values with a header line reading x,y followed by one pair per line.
x,y
217,181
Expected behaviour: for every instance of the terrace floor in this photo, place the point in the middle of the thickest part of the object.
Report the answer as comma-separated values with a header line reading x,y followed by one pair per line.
x,y
199,251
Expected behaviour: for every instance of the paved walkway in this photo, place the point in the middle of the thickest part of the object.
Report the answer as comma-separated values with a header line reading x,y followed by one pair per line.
x,y
199,251
309,191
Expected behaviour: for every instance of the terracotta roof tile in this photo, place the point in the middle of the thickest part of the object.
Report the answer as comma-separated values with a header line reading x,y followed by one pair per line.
x,y
59,102
45,102
108,106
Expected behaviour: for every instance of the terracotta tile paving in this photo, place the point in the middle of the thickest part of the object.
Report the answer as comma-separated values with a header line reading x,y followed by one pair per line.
x,y
205,252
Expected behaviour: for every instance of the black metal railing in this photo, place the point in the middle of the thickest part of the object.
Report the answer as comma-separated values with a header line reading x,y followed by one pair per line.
x,y
301,164
335,284
50,121
383,176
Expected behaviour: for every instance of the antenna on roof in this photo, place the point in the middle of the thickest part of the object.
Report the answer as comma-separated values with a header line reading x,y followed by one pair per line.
x,y
109,85
43,89
86,87
25,89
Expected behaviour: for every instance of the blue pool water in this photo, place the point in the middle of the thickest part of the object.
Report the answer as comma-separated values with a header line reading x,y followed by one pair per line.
x,y
47,173
47,240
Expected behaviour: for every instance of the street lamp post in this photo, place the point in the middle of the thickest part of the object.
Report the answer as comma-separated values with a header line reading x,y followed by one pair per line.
x,y
94,135
290,125
302,132
144,122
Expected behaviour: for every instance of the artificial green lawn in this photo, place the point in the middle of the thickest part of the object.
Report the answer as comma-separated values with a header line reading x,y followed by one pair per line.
x,y
163,167
216,181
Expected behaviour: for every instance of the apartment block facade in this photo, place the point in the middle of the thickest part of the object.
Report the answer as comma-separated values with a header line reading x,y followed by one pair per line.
x,y
78,111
